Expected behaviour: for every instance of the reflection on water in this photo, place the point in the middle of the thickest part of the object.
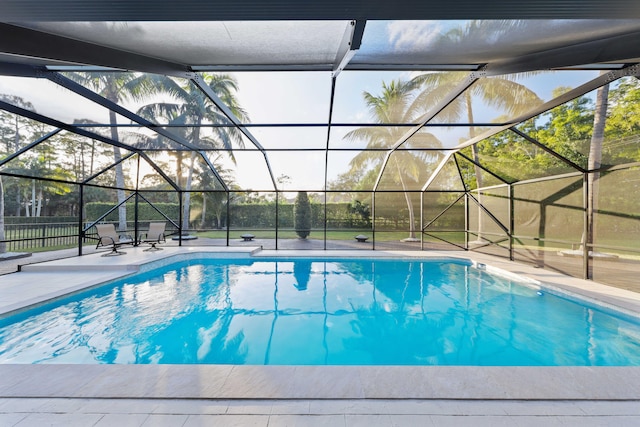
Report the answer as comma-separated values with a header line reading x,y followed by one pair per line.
x,y
319,312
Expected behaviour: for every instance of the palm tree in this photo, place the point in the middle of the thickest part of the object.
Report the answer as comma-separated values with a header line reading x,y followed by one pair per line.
x,y
502,93
190,107
118,87
396,105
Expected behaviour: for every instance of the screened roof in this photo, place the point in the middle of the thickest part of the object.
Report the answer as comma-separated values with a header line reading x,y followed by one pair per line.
x,y
288,103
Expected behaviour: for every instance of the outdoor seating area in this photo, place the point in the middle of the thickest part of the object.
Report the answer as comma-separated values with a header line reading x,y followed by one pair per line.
x,y
108,237
154,236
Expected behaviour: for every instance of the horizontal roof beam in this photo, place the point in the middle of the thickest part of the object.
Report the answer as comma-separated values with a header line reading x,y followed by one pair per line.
x,y
245,10
619,48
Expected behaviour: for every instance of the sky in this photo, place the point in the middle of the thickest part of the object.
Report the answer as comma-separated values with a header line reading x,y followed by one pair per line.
x,y
296,98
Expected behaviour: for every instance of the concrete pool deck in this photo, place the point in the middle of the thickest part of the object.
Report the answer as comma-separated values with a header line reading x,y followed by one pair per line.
x,y
318,395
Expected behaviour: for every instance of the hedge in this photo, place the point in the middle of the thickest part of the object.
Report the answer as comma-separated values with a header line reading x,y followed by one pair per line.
x,y
15,220
145,211
263,215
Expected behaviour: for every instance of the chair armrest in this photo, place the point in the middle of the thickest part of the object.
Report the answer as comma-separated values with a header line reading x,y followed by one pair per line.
x,y
125,239
106,240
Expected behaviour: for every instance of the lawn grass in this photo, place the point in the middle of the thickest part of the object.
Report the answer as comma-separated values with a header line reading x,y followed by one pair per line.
x,y
315,234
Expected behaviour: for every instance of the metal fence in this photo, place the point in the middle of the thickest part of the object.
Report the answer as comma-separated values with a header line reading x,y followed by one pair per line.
x,y
31,237
55,235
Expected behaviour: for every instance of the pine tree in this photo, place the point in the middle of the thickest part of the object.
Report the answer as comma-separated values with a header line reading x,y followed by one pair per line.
x,y
302,215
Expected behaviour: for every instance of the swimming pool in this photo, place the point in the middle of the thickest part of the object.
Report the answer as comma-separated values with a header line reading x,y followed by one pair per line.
x,y
319,312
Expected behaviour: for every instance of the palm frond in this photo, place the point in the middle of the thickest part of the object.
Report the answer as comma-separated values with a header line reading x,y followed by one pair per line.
x,y
507,95
162,110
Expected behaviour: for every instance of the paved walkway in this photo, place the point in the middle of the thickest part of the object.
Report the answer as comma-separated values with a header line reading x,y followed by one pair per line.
x,y
312,413
11,265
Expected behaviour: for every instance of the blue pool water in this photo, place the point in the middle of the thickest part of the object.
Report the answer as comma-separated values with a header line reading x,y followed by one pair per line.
x,y
319,312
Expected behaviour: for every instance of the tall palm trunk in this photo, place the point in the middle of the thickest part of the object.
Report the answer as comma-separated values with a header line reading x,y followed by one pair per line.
x,y
407,198
33,198
80,165
204,209
93,156
117,157
595,160
39,198
472,134
19,202
218,218
476,158
112,95
218,209
186,206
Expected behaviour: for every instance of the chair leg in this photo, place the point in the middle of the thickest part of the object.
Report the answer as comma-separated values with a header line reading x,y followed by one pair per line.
x,y
114,252
153,247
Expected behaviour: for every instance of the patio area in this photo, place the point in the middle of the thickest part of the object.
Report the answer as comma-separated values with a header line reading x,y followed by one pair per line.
x,y
311,413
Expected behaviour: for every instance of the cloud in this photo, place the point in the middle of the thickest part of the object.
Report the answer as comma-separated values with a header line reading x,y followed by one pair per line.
x,y
413,34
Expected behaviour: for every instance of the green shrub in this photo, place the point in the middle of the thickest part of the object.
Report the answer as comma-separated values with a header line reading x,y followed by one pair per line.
x,y
302,215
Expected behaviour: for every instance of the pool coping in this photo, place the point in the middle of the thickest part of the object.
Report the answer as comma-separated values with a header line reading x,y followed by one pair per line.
x,y
315,382
320,382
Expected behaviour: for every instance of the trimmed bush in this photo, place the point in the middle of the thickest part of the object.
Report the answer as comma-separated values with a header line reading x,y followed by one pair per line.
x,y
302,215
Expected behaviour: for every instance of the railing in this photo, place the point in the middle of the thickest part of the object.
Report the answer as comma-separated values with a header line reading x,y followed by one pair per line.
x,y
29,237
37,237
